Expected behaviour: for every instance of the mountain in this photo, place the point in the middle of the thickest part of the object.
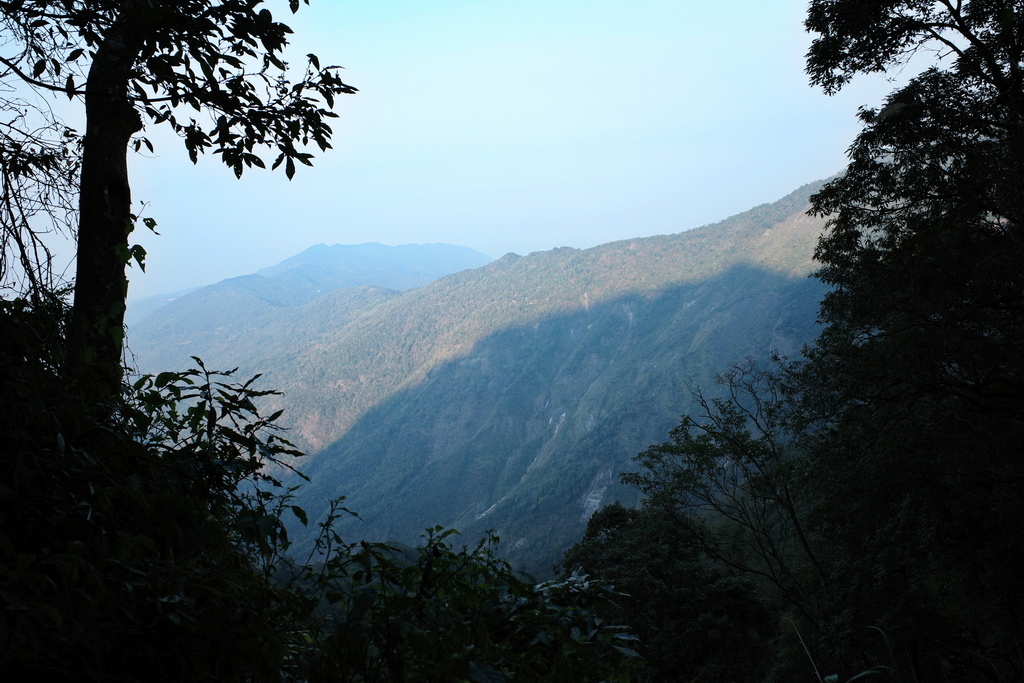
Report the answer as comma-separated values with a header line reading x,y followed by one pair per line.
x,y
140,309
510,396
248,317
321,268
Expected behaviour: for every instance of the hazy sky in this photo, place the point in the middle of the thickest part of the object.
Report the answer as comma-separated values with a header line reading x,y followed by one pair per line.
x,y
516,125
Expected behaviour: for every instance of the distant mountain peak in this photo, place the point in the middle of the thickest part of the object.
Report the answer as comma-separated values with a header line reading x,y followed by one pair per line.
x,y
320,270
352,263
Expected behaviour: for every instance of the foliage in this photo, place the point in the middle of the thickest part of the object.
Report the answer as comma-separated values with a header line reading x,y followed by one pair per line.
x,y
39,161
444,614
916,386
729,481
854,37
695,621
222,58
127,550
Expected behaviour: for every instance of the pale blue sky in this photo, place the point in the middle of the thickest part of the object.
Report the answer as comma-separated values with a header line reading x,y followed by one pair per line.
x,y
516,125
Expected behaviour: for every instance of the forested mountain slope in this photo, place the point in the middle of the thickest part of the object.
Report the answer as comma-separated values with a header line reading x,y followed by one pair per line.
x,y
511,396
508,396
241,320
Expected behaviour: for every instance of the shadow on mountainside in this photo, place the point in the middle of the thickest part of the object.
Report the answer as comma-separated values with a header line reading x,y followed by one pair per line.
x,y
527,431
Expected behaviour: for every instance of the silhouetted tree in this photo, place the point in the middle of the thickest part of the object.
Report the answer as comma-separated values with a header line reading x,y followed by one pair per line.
x,y
133,62
915,389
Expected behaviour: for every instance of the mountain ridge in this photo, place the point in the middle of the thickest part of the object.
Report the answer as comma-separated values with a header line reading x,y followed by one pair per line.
x,y
165,331
510,396
439,321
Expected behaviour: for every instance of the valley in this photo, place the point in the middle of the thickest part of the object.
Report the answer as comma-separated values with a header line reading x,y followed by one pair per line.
x,y
508,396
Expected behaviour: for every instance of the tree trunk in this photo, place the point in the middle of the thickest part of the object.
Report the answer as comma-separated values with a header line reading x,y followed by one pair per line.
x,y
97,325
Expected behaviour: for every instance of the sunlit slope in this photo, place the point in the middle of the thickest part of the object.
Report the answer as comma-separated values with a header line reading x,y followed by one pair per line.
x,y
249,320
511,396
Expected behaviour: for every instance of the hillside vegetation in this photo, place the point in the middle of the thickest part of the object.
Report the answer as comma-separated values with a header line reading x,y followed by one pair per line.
x,y
243,318
510,396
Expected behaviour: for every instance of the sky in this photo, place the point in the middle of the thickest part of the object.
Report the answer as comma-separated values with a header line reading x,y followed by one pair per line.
x,y
514,126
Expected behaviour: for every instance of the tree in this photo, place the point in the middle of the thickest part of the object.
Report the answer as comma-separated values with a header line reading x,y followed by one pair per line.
x,y
441,613
915,390
139,547
695,620
38,182
728,479
925,232
136,61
